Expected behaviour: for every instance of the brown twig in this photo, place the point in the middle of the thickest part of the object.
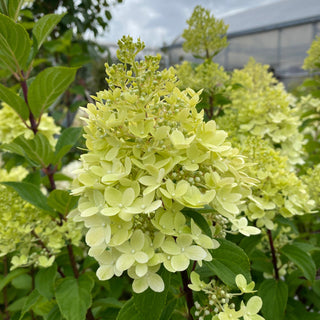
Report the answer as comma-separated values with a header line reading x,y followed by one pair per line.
x,y
273,254
187,292
33,123
73,261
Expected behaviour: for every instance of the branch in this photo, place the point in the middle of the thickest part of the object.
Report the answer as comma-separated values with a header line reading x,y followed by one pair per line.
x,y
187,292
274,257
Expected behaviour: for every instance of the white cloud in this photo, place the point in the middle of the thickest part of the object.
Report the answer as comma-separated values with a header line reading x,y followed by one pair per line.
x,y
160,21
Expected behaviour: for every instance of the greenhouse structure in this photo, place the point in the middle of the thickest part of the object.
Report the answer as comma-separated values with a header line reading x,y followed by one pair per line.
x,y
278,34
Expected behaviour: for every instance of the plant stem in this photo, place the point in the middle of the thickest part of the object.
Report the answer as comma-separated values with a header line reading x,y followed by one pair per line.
x,y
274,257
33,124
73,261
187,293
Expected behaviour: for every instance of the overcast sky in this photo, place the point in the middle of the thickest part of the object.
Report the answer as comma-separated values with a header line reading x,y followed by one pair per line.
x,y
160,21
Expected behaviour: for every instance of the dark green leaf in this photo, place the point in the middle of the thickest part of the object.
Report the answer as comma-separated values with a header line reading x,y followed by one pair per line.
x,y
228,261
31,300
48,86
37,150
297,311
30,193
54,314
274,295
261,262
67,140
14,45
14,9
168,309
23,282
10,276
14,101
44,26
44,281
62,201
34,178
248,244
221,99
301,259
198,219
128,311
108,302
150,304
74,297
4,7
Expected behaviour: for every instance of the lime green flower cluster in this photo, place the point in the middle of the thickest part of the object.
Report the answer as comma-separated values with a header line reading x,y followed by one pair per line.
x,y
312,179
263,108
16,174
9,130
205,36
219,300
312,61
29,234
208,75
279,190
308,108
150,154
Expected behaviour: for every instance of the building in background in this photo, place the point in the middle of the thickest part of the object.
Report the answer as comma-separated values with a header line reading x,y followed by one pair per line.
x,y
278,34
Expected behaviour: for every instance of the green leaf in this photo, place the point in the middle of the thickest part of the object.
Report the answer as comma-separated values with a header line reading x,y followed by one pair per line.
x,y
296,310
10,276
248,244
37,150
44,281
44,26
274,295
128,311
67,140
301,259
198,219
74,297
30,193
62,201
23,282
14,101
14,45
48,86
54,314
168,309
30,302
227,261
14,9
4,7
150,304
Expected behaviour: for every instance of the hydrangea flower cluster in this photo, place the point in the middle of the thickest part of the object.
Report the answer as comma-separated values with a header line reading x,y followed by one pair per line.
x,y
149,155
28,234
279,190
312,61
263,108
218,302
208,75
9,130
312,179
205,36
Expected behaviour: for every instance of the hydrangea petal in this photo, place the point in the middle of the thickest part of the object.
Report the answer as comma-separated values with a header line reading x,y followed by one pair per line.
x,y
180,262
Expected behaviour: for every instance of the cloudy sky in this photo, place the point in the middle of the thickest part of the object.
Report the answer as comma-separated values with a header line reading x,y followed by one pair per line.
x,y
160,21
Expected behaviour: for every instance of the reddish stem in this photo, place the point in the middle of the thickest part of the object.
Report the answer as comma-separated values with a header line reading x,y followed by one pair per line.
x,y
273,254
187,293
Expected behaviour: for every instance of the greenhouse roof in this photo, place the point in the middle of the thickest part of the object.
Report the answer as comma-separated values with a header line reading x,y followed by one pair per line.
x,y
272,16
